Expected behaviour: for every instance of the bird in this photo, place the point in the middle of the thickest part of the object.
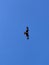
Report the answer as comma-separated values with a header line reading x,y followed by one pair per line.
x,y
27,32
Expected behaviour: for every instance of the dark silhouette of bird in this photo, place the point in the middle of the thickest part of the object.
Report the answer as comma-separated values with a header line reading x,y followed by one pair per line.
x,y
27,32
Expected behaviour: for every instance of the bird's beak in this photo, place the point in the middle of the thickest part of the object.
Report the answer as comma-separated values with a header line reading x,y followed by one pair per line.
x,y
24,32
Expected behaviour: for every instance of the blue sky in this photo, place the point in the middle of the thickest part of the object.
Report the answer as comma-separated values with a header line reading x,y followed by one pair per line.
x,y
15,15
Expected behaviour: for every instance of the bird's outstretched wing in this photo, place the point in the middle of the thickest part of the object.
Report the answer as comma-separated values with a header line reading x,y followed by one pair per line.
x,y
27,29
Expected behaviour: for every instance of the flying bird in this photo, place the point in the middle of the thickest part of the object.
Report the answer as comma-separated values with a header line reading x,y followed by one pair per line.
x,y
27,32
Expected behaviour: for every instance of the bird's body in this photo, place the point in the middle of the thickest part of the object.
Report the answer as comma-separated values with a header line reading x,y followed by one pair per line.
x,y
27,33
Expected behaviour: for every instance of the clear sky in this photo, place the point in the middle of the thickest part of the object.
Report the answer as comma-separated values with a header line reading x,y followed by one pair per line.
x,y
15,15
